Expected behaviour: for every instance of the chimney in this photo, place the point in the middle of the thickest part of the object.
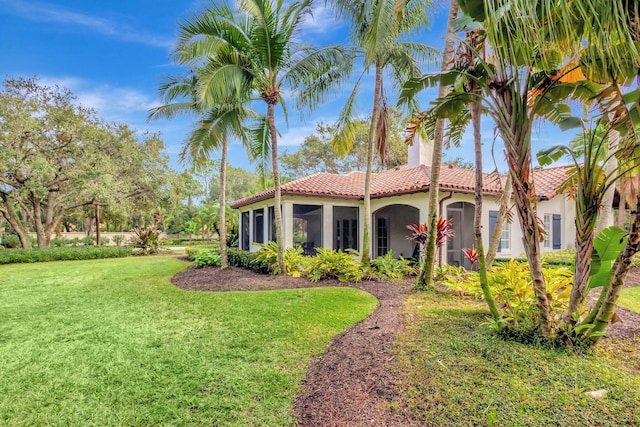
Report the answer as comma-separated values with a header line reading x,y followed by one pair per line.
x,y
420,152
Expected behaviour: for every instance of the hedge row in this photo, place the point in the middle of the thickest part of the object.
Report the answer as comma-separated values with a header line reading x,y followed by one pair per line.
x,y
239,258
63,254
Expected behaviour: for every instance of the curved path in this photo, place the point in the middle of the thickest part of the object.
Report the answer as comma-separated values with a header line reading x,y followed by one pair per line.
x,y
351,383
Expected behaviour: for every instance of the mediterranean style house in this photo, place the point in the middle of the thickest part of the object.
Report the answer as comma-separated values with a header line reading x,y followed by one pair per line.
x,y
326,210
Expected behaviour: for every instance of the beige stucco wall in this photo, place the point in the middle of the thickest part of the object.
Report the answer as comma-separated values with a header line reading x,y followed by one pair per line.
x,y
558,205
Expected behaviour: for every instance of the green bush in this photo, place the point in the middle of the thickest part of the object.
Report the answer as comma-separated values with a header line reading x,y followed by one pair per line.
x,y
75,241
393,269
58,242
104,241
62,254
88,241
118,239
331,264
294,262
10,241
510,284
239,258
207,259
146,239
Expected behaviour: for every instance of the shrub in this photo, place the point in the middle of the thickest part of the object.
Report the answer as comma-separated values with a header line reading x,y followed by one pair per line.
x,y
208,258
392,269
295,262
565,257
147,240
510,284
58,242
75,241
10,241
118,239
331,264
62,254
239,258
88,241
104,241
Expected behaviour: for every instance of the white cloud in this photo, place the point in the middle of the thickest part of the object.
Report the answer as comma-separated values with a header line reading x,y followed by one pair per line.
x,y
322,21
44,12
294,137
111,102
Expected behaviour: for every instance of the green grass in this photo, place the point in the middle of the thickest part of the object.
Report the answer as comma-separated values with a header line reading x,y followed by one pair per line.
x,y
112,343
630,299
457,373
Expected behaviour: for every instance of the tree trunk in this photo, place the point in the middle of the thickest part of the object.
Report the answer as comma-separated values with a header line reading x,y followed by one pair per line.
x,y
371,147
426,274
525,201
37,222
502,217
585,235
97,224
477,221
222,233
276,182
623,265
13,218
606,215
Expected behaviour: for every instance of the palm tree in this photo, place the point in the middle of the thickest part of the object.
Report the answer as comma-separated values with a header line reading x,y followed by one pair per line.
x,y
254,48
215,127
426,274
377,29
521,85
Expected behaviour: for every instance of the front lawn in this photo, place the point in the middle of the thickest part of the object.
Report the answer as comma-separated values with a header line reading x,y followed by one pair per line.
x,y
112,342
630,299
455,372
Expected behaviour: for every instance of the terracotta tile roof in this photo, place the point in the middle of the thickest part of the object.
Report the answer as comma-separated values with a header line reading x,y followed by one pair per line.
x,y
548,181
400,180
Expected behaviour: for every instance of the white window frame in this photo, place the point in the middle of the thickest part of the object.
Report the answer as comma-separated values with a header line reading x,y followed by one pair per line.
x,y
547,220
505,237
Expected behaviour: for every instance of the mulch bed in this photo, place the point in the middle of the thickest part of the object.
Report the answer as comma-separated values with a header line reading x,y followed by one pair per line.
x,y
351,384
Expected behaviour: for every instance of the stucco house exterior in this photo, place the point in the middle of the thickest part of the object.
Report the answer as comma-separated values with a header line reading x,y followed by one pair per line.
x,y
326,210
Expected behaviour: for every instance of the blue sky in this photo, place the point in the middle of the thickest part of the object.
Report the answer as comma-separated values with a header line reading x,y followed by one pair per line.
x,y
113,55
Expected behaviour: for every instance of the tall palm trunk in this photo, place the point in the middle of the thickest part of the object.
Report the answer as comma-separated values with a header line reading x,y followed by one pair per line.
x,y
426,275
494,243
276,182
584,249
371,150
606,216
476,113
223,207
515,130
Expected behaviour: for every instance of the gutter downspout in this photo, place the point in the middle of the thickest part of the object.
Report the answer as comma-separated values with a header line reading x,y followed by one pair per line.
x,y
440,207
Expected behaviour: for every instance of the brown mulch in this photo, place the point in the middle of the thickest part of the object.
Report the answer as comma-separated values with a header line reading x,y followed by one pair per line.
x,y
352,384
349,385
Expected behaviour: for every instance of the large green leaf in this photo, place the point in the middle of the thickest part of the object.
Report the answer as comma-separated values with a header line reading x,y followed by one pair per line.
x,y
606,248
610,242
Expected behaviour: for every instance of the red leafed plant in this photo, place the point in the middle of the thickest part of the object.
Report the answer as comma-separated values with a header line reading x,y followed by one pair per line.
x,y
471,254
444,231
418,233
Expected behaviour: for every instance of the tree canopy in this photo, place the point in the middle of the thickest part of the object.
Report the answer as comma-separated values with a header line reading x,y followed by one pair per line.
x,y
56,156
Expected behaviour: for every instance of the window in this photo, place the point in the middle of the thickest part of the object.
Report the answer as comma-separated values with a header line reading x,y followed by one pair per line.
x,y
547,230
258,226
557,231
272,224
493,220
505,238
307,227
245,231
382,233
346,228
